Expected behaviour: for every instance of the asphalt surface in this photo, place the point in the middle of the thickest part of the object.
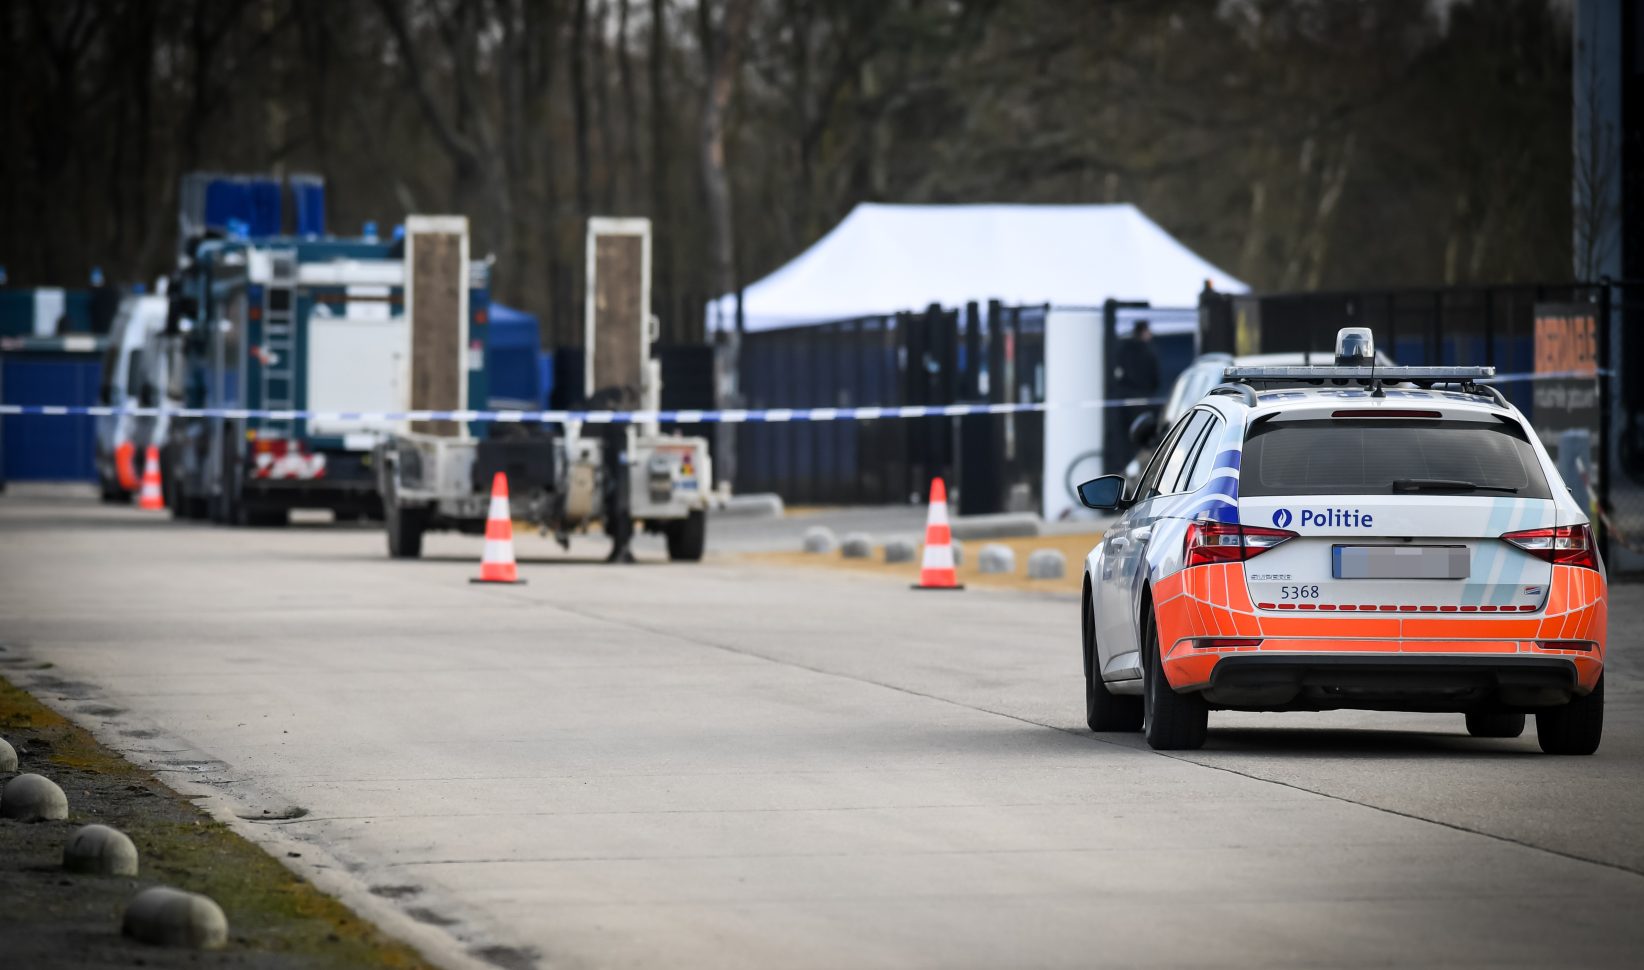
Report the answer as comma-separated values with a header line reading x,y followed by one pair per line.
x,y
731,765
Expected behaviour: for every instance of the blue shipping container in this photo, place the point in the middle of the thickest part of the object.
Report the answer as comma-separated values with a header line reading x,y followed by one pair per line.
x,y
41,448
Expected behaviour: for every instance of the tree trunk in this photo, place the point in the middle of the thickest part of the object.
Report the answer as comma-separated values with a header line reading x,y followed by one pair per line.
x,y
723,49
661,200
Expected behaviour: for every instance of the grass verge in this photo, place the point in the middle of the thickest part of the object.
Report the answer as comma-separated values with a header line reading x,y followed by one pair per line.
x,y
51,919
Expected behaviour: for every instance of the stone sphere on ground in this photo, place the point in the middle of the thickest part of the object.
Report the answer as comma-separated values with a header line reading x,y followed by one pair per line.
x,y
819,538
856,545
100,851
1046,564
900,550
171,917
8,756
995,558
33,798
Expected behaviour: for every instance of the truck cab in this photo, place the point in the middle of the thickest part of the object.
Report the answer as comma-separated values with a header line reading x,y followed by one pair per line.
x,y
310,337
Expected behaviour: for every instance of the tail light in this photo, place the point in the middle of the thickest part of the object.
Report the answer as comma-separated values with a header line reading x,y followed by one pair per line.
x,y
1210,542
1565,545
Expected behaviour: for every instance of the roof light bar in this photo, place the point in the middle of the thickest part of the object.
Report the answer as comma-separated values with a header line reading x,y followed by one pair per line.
x,y
1317,372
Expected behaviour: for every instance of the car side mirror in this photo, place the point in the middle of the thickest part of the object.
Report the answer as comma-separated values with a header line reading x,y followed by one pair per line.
x,y
1105,494
1144,431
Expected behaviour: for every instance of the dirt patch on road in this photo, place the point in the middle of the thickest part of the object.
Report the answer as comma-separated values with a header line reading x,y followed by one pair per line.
x,y
1073,548
51,919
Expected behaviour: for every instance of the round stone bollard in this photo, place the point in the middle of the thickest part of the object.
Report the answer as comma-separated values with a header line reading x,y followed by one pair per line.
x,y
8,756
900,550
995,558
819,538
1046,564
32,798
856,545
171,917
100,851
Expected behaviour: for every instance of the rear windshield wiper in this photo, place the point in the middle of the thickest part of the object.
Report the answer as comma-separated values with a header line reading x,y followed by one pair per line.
x,y
1445,485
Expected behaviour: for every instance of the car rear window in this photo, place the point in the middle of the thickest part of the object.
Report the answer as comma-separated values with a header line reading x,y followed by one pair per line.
x,y
1365,456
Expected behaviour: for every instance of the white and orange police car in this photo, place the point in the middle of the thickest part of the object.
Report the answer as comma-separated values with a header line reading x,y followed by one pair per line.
x,y
1346,536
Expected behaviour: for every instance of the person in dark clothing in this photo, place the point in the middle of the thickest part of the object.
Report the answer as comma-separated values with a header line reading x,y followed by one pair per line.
x,y
1135,374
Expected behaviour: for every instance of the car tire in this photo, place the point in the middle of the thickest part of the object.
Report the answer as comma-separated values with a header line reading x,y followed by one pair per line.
x,y
1170,721
1573,728
687,537
1104,710
1495,724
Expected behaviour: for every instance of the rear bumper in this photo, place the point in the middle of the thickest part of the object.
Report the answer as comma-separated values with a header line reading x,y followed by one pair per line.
x,y
1207,625
1317,682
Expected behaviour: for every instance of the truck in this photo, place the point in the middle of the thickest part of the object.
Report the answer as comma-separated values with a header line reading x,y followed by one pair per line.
x,y
607,462
311,336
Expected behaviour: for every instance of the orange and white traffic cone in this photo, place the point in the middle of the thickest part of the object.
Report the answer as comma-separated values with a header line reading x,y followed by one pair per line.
x,y
151,499
497,564
937,572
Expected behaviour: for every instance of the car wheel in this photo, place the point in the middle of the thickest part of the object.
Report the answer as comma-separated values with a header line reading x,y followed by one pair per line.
x,y
1104,710
1573,728
1494,724
1170,721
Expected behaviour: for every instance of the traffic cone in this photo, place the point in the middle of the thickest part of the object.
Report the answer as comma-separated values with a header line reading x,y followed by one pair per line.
x,y
151,499
497,564
937,572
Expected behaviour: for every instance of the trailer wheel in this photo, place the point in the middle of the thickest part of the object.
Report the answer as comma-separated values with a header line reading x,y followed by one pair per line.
x,y
687,537
405,529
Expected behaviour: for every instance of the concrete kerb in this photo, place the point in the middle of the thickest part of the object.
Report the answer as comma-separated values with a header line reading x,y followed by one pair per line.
x,y
33,798
763,505
309,861
856,545
1002,525
995,558
170,917
819,539
1046,564
100,851
900,550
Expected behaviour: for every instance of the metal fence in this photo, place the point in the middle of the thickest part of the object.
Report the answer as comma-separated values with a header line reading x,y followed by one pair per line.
x,y
991,354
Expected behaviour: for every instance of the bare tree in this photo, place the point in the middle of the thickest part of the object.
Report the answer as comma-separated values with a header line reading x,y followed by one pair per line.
x,y
722,52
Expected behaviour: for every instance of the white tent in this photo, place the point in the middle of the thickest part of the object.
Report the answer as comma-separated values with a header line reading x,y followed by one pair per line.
x,y
886,258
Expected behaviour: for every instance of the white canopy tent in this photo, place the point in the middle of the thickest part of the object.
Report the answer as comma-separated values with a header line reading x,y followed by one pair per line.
x,y
886,258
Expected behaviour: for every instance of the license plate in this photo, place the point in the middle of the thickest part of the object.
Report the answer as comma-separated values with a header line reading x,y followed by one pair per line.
x,y
1400,562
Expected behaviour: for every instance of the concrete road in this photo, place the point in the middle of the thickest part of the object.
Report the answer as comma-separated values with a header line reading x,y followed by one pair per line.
x,y
728,766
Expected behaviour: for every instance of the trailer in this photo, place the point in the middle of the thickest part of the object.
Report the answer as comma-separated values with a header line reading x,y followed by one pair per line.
x,y
565,476
312,336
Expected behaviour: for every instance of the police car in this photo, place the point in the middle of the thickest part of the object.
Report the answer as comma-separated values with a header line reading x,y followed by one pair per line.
x,y
1347,536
